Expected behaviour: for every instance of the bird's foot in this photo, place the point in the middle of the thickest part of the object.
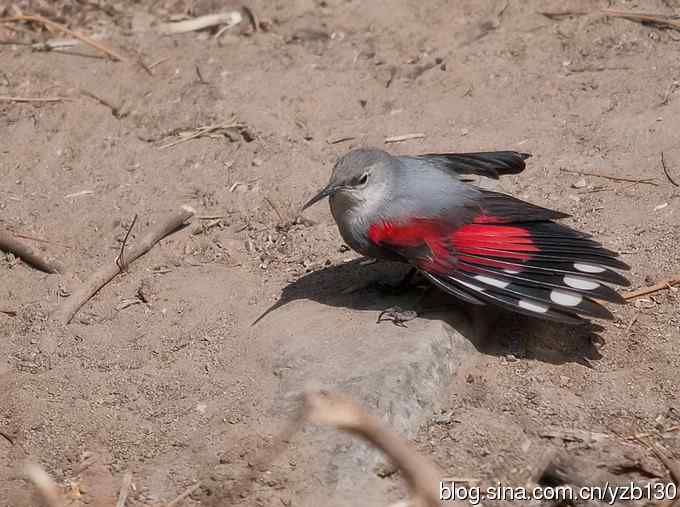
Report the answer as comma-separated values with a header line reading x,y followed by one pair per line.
x,y
397,316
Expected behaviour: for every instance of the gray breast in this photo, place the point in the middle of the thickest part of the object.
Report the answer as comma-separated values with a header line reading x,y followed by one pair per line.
x,y
353,226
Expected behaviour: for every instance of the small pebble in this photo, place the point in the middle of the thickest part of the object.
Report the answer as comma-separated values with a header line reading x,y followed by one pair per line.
x,y
580,183
384,469
442,419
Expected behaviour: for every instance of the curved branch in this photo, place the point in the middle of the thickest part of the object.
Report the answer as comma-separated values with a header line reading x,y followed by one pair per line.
x,y
9,243
65,312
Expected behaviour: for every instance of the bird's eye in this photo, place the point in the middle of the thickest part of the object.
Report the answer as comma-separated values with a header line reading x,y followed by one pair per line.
x,y
363,179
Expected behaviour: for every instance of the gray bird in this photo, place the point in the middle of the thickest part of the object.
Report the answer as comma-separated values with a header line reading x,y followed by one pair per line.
x,y
478,245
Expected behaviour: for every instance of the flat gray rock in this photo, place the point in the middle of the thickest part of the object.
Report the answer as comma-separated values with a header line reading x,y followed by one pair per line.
x,y
397,374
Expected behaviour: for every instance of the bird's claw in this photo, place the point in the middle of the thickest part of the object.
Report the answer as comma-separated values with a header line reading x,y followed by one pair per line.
x,y
397,316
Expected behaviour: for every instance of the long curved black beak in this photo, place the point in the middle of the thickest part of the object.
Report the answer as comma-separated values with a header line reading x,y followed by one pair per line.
x,y
329,190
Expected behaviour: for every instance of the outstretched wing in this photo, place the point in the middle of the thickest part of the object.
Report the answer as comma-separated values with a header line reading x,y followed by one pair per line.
x,y
512,254
491,164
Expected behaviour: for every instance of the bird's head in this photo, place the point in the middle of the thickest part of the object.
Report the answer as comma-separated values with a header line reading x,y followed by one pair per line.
x,y
358,178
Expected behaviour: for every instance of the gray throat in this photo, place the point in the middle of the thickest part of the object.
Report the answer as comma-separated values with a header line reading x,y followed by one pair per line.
x,y
353,222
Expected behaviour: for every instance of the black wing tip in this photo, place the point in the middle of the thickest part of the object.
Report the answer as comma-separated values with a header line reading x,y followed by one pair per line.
x,y
506,162
559,215
617,298
622,281
490,164
623,266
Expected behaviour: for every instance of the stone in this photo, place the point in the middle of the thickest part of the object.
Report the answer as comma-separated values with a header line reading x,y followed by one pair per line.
x,y
580,183
398,375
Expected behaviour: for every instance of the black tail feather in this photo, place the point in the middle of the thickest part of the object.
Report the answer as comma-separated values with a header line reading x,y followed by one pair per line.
x,y
508,301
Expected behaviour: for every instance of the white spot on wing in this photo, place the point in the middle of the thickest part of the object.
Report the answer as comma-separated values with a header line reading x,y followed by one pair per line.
x,y
495,282
533,306
588,268
565,298
469,285
511,271
580,283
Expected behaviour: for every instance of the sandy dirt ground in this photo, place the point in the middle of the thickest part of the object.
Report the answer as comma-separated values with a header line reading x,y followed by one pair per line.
x,y
162,374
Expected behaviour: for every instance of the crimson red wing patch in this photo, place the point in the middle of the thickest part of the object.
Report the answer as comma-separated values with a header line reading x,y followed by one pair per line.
x,y
538,268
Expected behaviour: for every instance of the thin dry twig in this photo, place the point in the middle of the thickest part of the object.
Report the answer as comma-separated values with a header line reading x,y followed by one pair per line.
x,y
92,43
274,207
665,171
65,312
405,137
52,44
158,62
573,435
87,460
5,98
341,140
638,436
646,181
655,19
95,56
393,74
32,238
672,466
17,28
124,489
14,43
200,76
7,437
203,226
422,476
184,495
115,110
228,19
79,194
633,321
594,68
202,131
9,243
658,20
120,260
667,96
44,484
503,9
255,23
211,217
40,240
222,30
144,66
60,46
562,14
12,313
662,285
